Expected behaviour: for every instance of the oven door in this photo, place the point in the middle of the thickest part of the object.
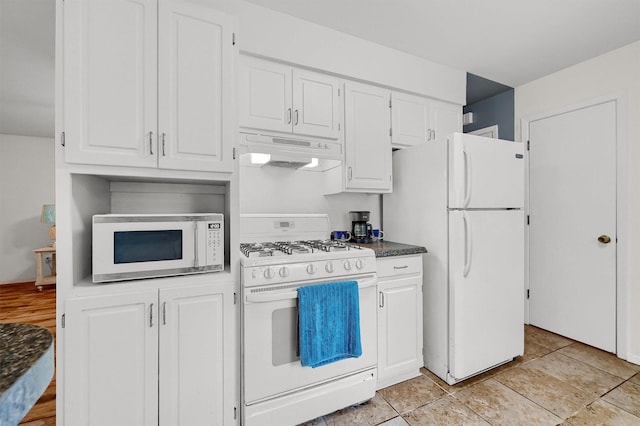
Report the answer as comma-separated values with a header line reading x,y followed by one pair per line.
x,y
271,357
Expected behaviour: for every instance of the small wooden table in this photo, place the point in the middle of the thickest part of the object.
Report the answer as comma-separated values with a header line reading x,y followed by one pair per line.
x,y
42,280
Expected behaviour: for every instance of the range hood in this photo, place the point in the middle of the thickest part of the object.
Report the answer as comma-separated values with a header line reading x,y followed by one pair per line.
x,y
291,151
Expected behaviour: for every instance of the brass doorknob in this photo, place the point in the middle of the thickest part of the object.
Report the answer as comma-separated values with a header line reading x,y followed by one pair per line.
x,y
604,239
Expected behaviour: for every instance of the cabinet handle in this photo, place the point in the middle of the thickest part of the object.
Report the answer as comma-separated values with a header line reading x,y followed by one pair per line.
x,y
163,137
296,116
401,267
150,143
350,170
428,134
164,313
381,300
289,116
433,137
151,315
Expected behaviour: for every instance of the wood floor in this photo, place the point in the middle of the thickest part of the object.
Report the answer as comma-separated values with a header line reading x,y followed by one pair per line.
x,y
23,303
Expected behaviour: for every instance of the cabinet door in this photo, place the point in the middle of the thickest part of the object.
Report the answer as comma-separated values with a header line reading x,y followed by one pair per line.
x,y
195,87
367,139
316,104
445,119
265,95
198,380
110,83
111,360
409,120
399,329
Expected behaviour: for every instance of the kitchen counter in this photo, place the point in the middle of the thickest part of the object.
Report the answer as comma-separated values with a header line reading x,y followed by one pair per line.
x,y
389,248
26,368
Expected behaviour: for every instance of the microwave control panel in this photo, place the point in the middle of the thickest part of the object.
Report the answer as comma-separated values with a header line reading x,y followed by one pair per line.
x,y
215,243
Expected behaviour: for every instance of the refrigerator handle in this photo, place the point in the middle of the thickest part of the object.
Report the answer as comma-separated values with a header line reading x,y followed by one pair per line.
x,y
467,175
467,244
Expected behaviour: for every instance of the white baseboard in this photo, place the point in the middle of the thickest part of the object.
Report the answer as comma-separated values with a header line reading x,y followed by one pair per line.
x,y
635,359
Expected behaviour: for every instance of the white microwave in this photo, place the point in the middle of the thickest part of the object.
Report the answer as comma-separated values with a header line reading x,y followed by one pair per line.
x,y
135,246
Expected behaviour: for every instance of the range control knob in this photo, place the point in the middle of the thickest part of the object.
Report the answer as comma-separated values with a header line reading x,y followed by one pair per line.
x,y
359,264
347,265
269,273
329,267
311,268
284,272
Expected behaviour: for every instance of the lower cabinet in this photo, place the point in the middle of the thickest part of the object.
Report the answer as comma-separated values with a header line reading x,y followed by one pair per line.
x,y
156,357
399,319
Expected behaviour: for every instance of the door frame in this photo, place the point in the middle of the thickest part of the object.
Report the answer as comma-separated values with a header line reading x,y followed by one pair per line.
x,y
622,301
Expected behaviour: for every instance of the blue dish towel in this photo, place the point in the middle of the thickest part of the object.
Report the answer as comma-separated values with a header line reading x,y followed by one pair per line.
x,y
329,323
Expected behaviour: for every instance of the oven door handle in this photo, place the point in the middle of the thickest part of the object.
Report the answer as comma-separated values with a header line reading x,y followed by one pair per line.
x,y
274,296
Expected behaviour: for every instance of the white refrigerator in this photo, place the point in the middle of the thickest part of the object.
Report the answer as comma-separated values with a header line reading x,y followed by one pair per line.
x,y
462,198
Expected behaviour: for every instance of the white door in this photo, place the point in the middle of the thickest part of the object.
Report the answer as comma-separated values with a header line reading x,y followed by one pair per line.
x,y
110,82
265,95
409,120
399,327
572,202
367,138
111,360
485,173
444,119
486,289
316,104
197,368
195,88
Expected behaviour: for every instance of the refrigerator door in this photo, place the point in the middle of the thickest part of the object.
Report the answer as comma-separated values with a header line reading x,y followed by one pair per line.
x,y
486,290
485,173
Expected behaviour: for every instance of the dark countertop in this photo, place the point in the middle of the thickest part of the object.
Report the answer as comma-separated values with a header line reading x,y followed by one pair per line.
x,y
26,368
389,248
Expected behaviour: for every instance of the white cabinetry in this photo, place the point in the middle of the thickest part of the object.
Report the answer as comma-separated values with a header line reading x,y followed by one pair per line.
x,y
111,360
399,318
416,119
367,163
280,98
151,357
148,83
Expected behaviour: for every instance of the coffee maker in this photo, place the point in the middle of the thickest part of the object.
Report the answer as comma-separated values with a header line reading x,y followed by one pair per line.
x,y
360,227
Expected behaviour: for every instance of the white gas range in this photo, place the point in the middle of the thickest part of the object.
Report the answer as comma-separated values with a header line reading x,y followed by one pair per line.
x,y
281,253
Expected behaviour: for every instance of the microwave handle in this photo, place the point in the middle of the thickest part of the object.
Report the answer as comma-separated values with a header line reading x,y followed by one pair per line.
x,y
195,245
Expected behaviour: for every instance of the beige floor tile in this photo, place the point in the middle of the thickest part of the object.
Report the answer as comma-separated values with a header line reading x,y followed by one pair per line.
x,y
500,405
396,421
544,338
444,411
533,351
600,359
602,413
374,412
576,372
411,394
451,389
551,393
636,379
626,396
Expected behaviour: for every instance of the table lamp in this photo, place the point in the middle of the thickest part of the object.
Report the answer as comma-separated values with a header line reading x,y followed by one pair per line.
x,y
48,216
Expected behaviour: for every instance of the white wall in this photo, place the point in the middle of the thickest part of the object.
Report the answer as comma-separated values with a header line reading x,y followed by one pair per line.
x,y
611,73
26,183
265,32
279,190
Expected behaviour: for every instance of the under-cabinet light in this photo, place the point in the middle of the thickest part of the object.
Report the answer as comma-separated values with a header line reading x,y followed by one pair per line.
x,y
259,158
313,163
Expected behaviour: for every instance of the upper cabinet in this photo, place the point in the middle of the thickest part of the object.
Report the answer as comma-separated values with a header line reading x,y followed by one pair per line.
x,y
367,166
148,83
280,98
416,119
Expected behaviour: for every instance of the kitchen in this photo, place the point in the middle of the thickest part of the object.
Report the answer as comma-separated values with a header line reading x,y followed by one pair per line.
x,y
269,39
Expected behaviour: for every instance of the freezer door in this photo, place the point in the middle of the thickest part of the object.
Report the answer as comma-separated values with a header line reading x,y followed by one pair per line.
x,y
486,289
485,173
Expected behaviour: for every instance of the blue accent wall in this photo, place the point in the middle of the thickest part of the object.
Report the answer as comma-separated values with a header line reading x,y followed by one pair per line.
x,y
498,109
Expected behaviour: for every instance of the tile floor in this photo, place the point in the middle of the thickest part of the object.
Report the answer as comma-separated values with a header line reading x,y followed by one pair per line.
x,y
557,381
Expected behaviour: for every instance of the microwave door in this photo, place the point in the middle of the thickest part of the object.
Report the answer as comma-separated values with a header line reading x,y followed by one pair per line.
x,y
143,249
